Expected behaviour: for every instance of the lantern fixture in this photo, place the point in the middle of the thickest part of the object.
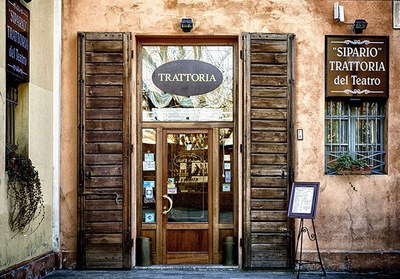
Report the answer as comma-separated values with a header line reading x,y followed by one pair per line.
x,y
186,24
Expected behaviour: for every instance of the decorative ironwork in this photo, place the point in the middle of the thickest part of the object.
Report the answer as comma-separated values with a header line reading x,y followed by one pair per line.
x,y
357,129
312,237
11,104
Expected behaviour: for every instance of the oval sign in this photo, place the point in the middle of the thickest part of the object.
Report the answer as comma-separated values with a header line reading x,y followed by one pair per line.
x,y
187,77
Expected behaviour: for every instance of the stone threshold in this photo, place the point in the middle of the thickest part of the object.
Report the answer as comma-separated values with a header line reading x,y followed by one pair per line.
x,y
188,267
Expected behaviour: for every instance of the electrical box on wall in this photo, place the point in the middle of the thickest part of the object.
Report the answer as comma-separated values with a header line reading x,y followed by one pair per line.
x,y
338,12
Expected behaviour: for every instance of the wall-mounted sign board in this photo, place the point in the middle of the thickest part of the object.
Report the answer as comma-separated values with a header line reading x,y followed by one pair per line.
x,y
303,200
17,41
357,66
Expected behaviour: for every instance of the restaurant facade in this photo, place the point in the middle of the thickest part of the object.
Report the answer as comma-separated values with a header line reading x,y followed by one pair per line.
x,y
186,124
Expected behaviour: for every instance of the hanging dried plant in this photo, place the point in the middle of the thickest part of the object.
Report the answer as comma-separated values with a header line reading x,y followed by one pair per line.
x,y
25,190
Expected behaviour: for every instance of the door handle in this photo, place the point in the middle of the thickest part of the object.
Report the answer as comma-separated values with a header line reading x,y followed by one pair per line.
x,y
165,212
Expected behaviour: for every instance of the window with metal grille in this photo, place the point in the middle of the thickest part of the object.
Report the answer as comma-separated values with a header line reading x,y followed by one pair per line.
x,y
357,129
11,104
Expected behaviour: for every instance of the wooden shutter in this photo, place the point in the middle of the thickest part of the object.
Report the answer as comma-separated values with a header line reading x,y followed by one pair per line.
x,y
104,72
267,67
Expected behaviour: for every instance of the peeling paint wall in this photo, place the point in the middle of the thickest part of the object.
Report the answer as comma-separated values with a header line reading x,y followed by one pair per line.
x,y
37,96
347,221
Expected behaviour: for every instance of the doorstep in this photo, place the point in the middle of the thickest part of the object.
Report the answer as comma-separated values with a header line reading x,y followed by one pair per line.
x,y
187,267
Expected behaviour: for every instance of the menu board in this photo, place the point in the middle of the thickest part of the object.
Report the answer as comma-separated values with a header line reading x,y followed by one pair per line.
x,y
303,200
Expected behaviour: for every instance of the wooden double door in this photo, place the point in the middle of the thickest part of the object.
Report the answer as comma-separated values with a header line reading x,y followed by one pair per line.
x,y
187,200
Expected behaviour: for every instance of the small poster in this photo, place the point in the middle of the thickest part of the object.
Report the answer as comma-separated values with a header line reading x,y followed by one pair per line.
x,y
149,217
227,158
171,182
226,187
149,184
227,166
172,191
148,187
149,157
228,176
149,166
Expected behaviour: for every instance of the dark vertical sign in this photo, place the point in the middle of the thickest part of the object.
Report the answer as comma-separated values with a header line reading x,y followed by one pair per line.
x,y
357,66
17,41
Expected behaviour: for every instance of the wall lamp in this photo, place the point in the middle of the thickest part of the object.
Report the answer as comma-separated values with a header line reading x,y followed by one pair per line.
x,y
359,25
186,24
338,15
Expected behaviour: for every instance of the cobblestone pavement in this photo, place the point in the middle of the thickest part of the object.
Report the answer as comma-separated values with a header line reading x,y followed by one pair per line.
x,y
211,273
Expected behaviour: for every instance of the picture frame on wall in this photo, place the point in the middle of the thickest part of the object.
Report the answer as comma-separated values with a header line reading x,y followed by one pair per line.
x,y
396,14
303,200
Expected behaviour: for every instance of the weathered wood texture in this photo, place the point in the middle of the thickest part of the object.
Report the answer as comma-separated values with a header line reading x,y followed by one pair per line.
x,y
104,164
267,145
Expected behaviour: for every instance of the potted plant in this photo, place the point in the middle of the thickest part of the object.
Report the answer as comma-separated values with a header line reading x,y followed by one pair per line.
x,y
345,164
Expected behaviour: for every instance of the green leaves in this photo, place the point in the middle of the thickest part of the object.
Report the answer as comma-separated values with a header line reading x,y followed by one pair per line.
x,y
347,162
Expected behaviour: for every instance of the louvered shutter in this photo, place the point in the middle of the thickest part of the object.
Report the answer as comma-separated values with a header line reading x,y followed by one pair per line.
x,y
267,74
104,73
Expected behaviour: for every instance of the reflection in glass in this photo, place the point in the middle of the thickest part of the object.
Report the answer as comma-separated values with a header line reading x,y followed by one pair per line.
x,y
226,164
163,106
187,181
149,175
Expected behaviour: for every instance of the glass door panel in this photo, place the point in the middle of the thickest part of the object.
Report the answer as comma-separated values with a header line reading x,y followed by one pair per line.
x,y
226,174
149,191
187,177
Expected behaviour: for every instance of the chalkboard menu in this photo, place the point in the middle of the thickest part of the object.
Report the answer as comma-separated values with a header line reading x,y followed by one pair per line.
x,y
17,41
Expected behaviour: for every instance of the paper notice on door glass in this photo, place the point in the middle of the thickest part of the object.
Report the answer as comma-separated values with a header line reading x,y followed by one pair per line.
x,y
149,157
302,200
226,187
228,176
149,184
172,191
149,166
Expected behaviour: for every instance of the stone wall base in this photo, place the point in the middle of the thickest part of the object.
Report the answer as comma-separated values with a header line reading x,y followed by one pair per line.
x,y
355,261
33,268
68,259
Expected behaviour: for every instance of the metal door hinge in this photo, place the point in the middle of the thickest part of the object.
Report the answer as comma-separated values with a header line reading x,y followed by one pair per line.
x,y
241,54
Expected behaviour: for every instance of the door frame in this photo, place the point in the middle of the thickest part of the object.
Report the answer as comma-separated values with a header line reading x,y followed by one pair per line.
x,y
185,225
137,227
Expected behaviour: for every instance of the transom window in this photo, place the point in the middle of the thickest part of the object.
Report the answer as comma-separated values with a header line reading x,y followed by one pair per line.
x,y
161,105
357,129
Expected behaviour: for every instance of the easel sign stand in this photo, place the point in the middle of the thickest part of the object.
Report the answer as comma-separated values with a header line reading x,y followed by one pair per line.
x,y
303,204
